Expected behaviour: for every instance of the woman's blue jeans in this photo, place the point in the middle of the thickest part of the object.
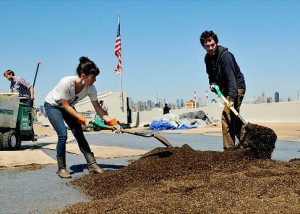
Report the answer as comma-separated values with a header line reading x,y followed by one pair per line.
x,y
57,116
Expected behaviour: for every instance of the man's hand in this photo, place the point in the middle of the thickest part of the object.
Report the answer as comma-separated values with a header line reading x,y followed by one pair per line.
x,y
212,88
81,120
230,104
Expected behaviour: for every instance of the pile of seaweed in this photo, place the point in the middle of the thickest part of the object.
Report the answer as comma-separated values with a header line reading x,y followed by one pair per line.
x,y
261,141
183,180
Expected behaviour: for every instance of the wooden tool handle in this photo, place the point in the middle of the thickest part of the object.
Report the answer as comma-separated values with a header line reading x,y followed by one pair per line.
x,y
231,107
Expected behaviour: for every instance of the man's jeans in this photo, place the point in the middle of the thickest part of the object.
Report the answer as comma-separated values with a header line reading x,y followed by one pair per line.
x,y
57,116
231,125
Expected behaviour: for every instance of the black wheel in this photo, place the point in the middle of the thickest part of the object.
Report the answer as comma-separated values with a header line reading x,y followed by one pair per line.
x,y
96,128
201,115
1,141
11,140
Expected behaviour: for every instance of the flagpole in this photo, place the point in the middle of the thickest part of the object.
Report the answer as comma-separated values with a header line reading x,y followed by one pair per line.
x,y
122,97
121,79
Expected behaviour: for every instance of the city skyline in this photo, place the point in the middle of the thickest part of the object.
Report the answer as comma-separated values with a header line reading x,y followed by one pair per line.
x,y
144,105
215,96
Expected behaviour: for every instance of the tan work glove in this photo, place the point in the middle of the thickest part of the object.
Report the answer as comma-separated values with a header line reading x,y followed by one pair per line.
x,y
116,127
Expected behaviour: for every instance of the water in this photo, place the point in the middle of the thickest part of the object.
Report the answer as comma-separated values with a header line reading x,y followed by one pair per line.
x,y
284,150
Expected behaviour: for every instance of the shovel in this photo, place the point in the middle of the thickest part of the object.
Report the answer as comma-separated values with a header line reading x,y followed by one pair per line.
x,y
36,72
158,137
99,122
227,102
261,140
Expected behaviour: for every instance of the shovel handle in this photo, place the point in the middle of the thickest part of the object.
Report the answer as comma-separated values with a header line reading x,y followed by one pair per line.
x,y
156,136
36,72
227,102
231,107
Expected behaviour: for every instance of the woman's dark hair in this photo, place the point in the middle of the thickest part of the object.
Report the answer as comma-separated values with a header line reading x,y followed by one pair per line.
x,y
87,67
208,35
9,72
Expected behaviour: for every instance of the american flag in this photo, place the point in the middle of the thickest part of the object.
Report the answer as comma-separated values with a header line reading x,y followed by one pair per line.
x,y
118,49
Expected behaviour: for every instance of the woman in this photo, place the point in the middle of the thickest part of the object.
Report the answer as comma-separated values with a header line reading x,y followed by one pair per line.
x,y
59,106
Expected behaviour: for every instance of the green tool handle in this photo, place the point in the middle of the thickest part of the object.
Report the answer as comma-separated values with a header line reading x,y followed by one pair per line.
x,y
227,102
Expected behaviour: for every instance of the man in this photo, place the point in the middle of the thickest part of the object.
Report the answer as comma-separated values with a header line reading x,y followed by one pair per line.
x,y
223,70
166,109
20,86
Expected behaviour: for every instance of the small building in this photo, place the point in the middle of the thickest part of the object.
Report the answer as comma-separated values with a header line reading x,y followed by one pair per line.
x,y
189,104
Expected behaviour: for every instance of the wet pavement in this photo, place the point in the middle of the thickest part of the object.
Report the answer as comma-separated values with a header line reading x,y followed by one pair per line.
x,y
284,150
42,191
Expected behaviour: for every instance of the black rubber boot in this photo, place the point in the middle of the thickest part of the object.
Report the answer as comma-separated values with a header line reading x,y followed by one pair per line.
x,y
62,172
92,164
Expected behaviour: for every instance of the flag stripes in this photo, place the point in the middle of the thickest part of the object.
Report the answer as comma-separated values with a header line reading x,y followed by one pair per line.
x,y
118,49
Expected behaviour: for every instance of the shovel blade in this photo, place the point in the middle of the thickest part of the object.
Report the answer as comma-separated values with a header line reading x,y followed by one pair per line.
x,y
163,140
158,137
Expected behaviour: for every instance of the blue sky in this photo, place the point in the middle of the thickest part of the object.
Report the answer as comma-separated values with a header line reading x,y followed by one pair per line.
x,y
161,52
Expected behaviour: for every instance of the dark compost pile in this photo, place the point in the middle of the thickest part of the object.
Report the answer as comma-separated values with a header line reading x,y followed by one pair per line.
x,y
182,180
261,140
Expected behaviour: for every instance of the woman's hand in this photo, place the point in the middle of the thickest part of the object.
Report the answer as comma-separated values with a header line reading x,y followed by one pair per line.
x,y
81,119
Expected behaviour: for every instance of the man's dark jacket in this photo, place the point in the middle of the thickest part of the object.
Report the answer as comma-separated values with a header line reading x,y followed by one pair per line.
x,y
223,70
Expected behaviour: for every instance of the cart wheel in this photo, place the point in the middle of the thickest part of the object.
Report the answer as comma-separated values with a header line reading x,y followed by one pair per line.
x,y
1,141
96,128
11,140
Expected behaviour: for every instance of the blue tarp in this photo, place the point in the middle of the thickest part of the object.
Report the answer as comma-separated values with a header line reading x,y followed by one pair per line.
x,y
164,125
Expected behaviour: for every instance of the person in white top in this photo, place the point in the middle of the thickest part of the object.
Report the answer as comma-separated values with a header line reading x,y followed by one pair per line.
x,y
59,107
103,106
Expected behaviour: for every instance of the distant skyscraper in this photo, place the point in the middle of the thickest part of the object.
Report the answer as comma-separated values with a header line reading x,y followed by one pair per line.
x,y
140,106
262,98
182,103
276,97
149,105
178,103
269,99
159,103
200,101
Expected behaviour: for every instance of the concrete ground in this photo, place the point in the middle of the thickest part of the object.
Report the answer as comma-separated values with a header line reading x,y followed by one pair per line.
x,y
36,189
